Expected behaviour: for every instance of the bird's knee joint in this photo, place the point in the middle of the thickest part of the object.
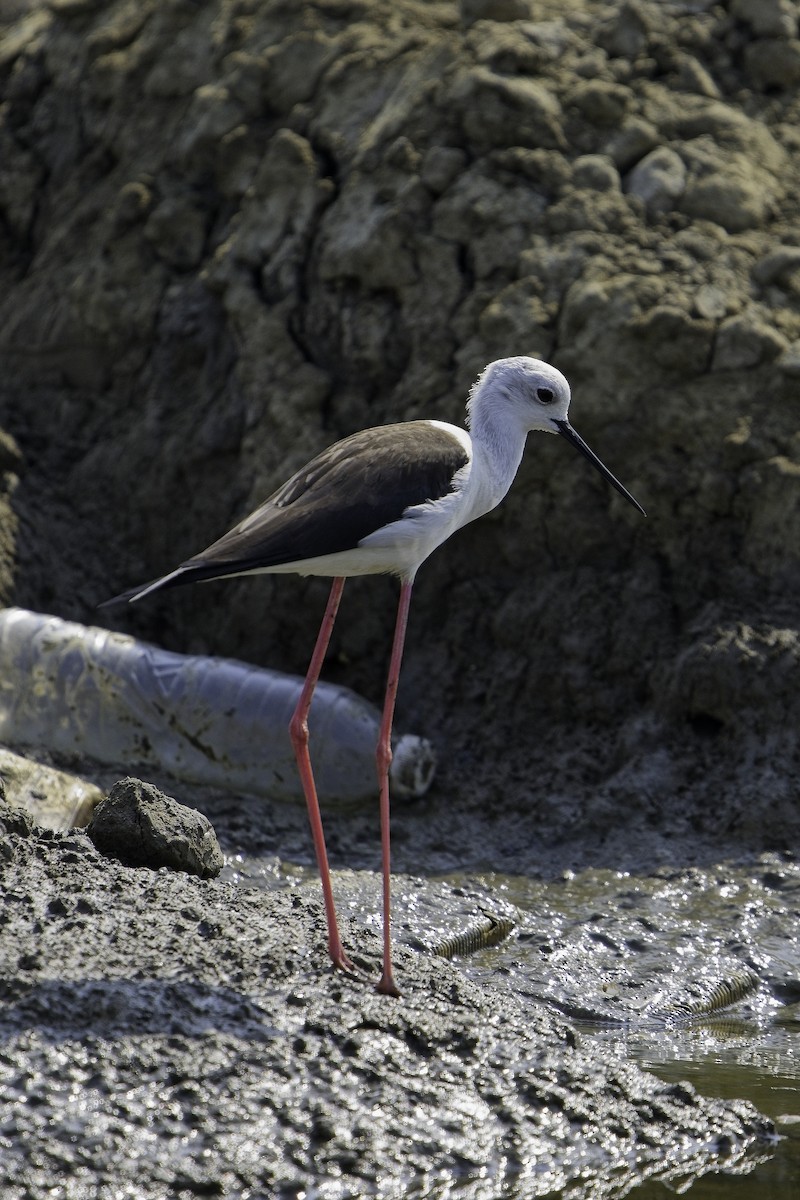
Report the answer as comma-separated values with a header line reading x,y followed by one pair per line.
x,y
298,732
383,756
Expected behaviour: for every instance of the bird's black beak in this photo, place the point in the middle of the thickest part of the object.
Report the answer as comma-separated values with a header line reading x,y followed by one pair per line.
x,y
575,439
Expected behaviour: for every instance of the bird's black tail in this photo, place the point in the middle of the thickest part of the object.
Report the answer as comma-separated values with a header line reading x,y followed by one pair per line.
x,y
193,571
173,579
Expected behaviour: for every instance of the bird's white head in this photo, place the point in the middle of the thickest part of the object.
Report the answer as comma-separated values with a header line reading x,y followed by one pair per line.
x,y
514,396
526,390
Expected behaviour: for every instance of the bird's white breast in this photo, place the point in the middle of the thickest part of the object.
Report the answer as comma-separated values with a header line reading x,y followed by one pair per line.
x,y
406,543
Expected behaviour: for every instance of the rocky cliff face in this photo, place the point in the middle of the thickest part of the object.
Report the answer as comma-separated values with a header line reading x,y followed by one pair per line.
x,y
233,231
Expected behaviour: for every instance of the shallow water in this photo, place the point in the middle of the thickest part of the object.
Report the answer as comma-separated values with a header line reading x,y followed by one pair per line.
x,y
626,958
619,940
763,1068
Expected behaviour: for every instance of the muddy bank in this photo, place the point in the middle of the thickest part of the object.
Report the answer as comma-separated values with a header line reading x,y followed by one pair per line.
x,y
167,1034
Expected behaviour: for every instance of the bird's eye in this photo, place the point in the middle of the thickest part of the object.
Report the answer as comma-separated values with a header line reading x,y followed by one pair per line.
x,y
545,395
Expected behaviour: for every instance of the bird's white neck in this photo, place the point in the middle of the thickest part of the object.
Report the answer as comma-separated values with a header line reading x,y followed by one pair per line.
x,y
498,442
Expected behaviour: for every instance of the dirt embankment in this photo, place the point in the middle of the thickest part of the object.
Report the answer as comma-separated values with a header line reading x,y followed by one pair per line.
x,y
232,231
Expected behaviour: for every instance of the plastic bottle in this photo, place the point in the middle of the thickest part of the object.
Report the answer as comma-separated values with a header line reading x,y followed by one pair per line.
x,y
73,688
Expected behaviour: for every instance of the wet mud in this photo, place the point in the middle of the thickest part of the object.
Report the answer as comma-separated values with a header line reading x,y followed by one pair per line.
x,y
165,1034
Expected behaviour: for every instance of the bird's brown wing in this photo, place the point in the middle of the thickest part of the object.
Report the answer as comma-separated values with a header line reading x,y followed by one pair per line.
x,y
356,486
348,491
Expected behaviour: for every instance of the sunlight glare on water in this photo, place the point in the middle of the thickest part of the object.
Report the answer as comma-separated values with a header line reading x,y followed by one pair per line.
x,y
619,954
631,961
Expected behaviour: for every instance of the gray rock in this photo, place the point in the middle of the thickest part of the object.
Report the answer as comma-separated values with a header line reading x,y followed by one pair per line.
x,y
767,18
142,827
773,63
780,266
631,142
499,111
744,341
659,180
600,102
711,302
627,33
737,199
675,339
716,136
294,67
691,76
595,172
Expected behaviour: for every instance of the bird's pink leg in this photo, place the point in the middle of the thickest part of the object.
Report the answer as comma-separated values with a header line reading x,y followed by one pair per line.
x,y
384,758
298,731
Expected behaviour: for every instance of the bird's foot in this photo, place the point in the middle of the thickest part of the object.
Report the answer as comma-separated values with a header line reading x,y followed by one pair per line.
x,y
341,960
387,986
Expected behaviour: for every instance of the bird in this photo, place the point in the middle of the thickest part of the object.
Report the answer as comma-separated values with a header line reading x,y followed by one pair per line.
x,y
380,502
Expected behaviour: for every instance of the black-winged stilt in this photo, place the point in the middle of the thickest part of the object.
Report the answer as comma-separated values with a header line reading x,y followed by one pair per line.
x,y
379,502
